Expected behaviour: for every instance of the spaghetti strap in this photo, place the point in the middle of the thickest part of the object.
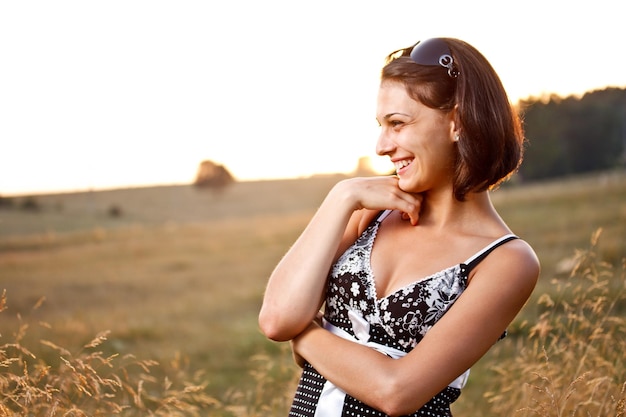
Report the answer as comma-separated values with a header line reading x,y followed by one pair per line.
x,y
482,254
383,215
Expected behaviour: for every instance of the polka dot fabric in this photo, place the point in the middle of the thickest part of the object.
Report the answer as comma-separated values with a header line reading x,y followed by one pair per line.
x,y
399,320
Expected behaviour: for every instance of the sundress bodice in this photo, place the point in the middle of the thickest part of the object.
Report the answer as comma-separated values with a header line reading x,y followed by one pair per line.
x,y
399,320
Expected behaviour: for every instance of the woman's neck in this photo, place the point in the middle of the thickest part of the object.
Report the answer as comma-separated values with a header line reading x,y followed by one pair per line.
x,y
443,211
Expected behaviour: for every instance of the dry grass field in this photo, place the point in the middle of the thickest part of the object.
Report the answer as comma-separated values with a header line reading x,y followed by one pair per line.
x,y
176,275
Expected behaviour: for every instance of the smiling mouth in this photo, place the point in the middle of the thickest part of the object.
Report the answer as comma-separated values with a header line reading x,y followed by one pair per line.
x,y
402,164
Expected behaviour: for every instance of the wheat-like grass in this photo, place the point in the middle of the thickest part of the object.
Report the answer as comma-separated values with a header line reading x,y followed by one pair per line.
x,y
572,363
89,383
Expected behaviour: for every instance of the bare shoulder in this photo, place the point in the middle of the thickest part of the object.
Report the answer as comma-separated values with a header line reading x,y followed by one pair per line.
x,y
519,254
514,264
506,279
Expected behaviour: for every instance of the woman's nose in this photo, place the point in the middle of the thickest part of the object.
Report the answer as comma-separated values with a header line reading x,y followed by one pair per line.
x,y
384,145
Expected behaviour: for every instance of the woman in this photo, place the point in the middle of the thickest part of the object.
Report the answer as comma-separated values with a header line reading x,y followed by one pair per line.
x,y
418,274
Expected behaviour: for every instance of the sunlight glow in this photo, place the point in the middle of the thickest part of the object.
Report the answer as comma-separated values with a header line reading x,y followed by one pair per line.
x,y
117,94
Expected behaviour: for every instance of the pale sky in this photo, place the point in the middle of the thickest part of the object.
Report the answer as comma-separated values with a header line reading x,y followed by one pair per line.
x,y
117,93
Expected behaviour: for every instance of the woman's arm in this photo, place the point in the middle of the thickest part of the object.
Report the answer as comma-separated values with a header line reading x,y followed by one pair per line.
x,y
499,288
296,286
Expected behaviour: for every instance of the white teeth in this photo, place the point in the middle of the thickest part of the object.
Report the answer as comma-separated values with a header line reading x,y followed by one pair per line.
x,y
402,164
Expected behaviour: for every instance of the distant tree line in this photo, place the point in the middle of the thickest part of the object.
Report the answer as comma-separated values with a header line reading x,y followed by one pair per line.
x,y
574,135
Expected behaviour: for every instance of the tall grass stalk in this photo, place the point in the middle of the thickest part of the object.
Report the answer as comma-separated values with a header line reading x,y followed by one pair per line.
x,y
58,382
572,363
46,379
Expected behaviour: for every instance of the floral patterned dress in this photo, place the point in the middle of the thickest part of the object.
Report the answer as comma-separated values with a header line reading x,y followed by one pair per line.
x,y
394,324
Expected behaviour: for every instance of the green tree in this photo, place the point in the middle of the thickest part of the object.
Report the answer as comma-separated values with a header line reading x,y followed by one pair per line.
x,y
574,135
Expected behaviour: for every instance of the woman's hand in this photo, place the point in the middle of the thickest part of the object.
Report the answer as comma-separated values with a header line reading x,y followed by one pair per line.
x,y
380,193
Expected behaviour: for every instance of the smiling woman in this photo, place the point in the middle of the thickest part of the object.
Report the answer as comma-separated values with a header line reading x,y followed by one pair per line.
x,y
402,266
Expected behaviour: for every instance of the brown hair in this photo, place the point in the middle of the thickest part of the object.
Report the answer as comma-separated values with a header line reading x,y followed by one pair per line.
x,y
492,138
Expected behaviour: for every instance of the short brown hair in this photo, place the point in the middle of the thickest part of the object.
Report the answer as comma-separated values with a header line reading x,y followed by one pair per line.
x,y
492,138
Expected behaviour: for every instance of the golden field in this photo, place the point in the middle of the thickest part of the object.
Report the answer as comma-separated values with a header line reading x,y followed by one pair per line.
x,y
176,274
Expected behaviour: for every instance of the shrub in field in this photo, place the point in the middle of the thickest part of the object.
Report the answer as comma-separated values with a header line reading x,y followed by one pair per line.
x,y
89,383
573,362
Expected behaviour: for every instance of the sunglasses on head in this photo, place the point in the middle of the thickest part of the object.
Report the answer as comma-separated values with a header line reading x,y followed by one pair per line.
x,y
432,52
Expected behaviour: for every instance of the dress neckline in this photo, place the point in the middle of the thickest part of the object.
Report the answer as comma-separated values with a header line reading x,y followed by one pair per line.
x,y
443,272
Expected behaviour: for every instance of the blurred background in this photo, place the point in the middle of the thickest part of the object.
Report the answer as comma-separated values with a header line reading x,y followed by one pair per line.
x,y
97,95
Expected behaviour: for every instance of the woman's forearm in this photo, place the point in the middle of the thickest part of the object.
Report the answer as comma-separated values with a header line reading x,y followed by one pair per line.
x,y
393,386
297,284
359,370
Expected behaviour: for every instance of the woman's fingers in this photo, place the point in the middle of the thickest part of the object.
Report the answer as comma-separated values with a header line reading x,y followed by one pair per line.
x,y
409,204
413,213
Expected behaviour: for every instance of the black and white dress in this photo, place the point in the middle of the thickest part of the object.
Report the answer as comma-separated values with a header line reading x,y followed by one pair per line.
x,y
394,325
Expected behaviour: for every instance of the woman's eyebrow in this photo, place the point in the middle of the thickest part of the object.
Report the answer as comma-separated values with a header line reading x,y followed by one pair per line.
x,y
387,116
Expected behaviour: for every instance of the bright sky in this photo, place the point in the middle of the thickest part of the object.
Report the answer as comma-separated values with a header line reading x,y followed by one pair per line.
x,y
117,93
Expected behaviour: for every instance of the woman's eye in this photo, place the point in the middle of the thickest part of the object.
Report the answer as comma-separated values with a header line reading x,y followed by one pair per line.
x,y
395,123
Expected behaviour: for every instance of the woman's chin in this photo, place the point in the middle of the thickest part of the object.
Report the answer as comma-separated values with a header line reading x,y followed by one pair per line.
x,y
408,186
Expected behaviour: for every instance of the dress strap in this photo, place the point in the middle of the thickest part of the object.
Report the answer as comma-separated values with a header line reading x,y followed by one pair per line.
x,y
475,260
383,215
482,254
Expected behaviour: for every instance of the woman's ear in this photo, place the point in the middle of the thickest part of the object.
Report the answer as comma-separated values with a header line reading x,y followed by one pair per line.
x,y
455,129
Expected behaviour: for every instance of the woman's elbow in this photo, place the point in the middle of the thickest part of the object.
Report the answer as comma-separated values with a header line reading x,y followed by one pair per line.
x,y
388,404
394,398
393,408
272,325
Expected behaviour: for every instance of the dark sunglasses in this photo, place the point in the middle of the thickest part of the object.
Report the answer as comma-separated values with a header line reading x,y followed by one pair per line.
x,y
434,51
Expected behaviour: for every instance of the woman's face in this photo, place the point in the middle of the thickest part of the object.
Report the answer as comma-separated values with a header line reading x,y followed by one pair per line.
x,y
417,139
